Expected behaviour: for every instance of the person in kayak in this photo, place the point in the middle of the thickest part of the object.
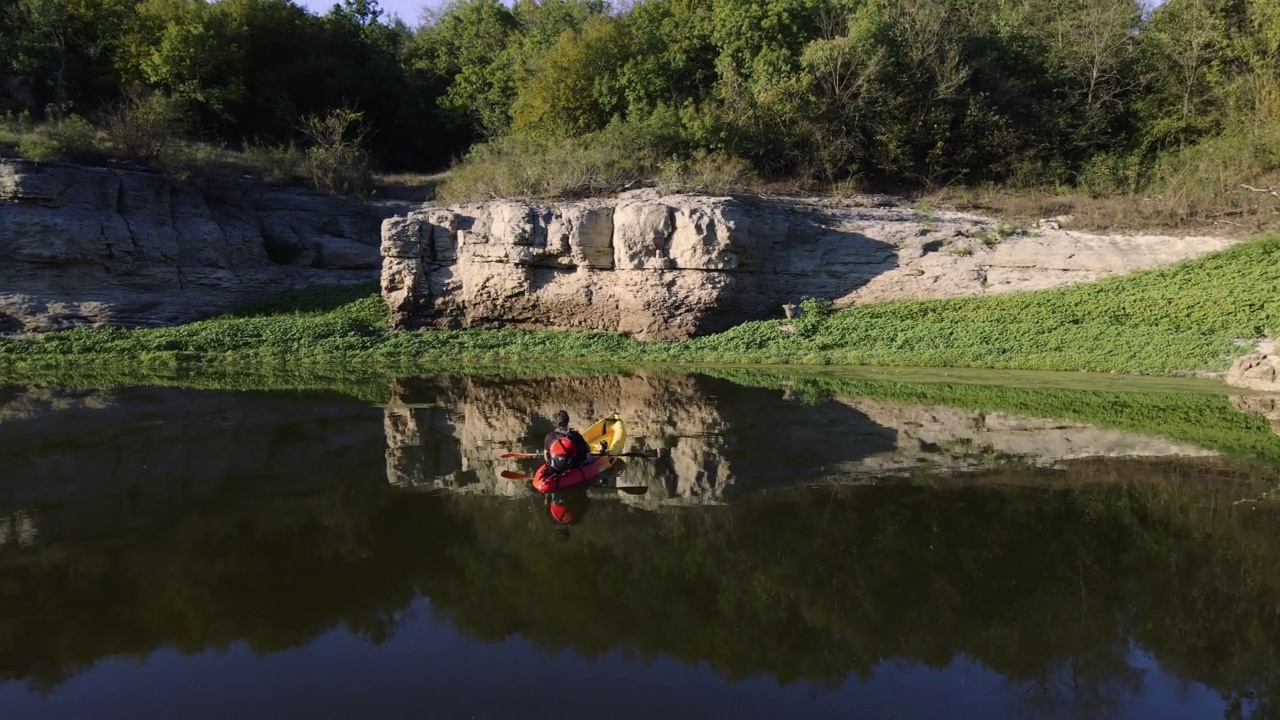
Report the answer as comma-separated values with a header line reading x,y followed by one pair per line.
x,y
565,449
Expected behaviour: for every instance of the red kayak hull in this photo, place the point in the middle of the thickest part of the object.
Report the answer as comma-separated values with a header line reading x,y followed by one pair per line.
x,y
544,481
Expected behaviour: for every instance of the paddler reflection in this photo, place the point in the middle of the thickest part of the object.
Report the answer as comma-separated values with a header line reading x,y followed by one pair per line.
x,y
566,508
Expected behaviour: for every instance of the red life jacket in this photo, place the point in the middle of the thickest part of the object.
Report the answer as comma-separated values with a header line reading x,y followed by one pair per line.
x,y
562,453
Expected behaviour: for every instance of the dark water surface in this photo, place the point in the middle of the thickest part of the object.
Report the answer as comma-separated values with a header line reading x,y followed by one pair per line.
x,y
796,549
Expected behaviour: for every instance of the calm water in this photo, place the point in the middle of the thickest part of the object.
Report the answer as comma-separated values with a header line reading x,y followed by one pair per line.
x,y
795,549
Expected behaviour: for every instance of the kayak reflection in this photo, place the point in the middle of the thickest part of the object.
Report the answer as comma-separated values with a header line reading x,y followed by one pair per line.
x,y
568,507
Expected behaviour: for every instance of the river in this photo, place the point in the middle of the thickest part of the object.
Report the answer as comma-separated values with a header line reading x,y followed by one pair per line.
x,y
797,546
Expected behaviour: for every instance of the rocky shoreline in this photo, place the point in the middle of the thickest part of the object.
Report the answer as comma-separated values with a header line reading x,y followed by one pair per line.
x,y
115,247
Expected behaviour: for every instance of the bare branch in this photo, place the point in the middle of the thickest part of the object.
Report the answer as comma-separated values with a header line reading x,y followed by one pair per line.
x,y
1273,190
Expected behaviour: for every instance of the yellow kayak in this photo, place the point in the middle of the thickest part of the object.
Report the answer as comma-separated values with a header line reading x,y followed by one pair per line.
x,y
610,431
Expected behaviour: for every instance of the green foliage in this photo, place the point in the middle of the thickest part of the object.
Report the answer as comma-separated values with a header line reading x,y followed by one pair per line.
x,y
337,161
467,46
620,155
816,308
716,173
277,164
72,139
1090,94
570,93
141,127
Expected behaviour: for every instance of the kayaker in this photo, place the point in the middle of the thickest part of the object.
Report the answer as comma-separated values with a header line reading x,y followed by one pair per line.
x,y
564,448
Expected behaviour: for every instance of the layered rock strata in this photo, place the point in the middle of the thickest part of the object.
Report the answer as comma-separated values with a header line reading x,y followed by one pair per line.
x,y
102,246
677,266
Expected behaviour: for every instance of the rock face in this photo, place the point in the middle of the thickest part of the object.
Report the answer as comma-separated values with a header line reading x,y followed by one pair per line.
x,y
716,441
1257,371
97,246
677,266
1265,406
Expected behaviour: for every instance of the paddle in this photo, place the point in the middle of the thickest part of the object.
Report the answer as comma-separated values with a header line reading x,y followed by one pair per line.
x,y
630,490
508,456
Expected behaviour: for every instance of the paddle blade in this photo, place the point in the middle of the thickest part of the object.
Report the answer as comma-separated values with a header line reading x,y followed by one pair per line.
x,y
512,475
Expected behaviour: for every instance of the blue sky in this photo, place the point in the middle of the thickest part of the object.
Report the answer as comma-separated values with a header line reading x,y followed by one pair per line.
x,y
411,10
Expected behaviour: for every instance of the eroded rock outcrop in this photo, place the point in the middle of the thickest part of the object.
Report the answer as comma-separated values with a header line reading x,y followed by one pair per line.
x,y
677,266
1257,371
99,246
716,441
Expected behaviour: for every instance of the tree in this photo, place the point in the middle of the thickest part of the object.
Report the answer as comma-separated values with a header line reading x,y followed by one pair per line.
x,y
574,90
1185,55
44,46
466,46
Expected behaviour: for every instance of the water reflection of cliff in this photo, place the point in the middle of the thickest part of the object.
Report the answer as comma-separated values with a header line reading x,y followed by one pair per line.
x,y
93,463
715,440
1047,577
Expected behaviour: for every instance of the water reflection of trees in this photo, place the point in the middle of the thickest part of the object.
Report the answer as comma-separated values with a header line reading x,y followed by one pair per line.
x,y
1050,586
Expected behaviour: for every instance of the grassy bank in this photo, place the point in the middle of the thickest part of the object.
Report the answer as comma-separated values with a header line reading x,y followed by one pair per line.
x,y
1181,318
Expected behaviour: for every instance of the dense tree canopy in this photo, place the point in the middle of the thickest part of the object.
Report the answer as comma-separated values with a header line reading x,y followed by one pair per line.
x,y
896,91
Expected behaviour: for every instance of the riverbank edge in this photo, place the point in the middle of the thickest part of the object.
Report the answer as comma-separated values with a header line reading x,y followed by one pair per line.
x,y
1193,318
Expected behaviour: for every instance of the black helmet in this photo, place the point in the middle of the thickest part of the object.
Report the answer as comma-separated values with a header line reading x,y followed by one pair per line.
x,y
562,419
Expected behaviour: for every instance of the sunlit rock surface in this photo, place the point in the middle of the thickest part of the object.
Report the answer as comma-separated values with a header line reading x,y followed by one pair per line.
x,y
670,267
102,246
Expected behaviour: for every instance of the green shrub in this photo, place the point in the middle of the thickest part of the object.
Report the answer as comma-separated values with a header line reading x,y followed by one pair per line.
x,y
71,139
139,127
715,173
185,161
524,166
278,164
537,166
1207,179
817,308
1114,174
16,124
337,162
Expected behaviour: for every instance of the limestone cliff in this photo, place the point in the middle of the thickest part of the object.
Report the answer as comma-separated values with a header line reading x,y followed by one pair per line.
x,y
677,266
102,246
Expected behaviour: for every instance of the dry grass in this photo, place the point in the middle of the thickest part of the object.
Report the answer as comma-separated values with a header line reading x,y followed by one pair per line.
x,y
1199,189
1245,213
414,187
